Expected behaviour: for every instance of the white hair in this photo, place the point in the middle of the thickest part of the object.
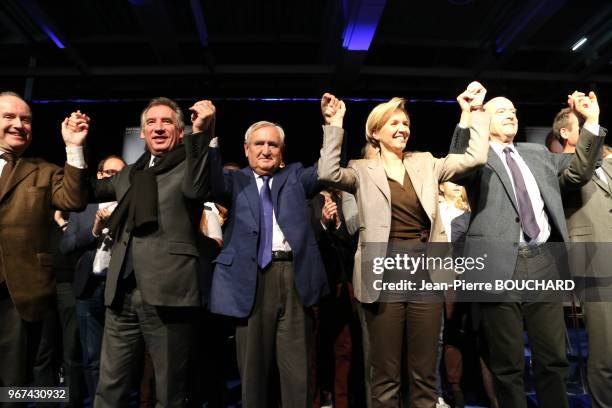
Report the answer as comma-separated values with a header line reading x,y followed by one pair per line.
x,y
261,124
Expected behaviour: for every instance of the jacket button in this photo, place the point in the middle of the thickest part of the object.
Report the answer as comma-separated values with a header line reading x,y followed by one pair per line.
x,y
517,219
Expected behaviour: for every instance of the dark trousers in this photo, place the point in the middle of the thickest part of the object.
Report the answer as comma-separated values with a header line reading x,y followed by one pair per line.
x,y
598,317
90,318
19,342
167,333
391,327
60,347
277,335
337,340
502,326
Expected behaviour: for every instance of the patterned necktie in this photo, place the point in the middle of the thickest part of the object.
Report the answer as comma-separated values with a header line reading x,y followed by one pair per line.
x,y
6,170
156,160
528,221
264,250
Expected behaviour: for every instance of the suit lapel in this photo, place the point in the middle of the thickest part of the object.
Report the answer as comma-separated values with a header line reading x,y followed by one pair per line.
x,y
278,181
606,166
413,170
21,171
495,163
251,192
376,170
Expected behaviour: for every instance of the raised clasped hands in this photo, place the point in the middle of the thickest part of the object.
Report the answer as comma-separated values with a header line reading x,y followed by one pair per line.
x,y
585,106
75,129
333,110
473,97
203,116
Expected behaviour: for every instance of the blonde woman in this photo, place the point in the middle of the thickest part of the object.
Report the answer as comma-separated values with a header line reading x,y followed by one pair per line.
x,y
397,199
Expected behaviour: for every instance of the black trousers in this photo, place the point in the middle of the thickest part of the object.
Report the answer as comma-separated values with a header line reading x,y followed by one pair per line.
x,y
503,325
18,345
276,336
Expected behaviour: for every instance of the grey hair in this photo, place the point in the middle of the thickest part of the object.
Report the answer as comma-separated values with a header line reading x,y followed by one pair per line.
x,y
180,119
261,124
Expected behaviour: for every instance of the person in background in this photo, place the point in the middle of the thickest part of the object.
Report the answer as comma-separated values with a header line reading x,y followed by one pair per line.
x,y
86,237
587,208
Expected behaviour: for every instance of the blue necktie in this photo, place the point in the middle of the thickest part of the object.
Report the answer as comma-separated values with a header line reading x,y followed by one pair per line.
x,y
264,251
528,221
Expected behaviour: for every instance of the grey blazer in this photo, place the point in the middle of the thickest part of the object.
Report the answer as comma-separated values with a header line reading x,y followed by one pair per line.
x,y
588,211
166,260
367,180
495,225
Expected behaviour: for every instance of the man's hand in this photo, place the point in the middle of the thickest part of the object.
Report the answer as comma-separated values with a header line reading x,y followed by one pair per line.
x,y
102,216
203,117
585,106
329,213
472,98
333,110
75,129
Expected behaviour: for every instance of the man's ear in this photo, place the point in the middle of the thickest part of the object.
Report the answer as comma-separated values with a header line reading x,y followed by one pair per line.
x,y
563,132
142,135
181,135
246,150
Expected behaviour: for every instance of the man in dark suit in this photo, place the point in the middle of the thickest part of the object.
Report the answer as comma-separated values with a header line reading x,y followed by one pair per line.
x,y
587,208
85,237
152,281
30,189
269,271
516,208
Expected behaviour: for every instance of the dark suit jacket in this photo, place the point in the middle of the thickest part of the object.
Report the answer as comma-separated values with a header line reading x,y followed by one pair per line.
x,y
235,273
35,190
78,239
337,246
495,225
166,260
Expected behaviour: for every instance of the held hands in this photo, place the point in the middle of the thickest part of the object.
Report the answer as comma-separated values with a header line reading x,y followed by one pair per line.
x,y
203,117
329,213
75,129
333,110
585,106
472,98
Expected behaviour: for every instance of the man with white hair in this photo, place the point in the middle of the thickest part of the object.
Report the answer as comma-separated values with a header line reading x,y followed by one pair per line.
x,y
269,271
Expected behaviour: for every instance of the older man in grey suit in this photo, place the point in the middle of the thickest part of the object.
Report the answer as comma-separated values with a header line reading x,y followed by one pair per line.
x,y
587,208
516,208
152,280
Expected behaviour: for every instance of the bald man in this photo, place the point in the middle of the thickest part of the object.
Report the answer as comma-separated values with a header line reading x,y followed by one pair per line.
x,y
516,209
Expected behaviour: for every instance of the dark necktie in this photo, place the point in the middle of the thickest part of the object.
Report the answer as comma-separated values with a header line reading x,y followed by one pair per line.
x,y
6,170
264,251
529,224
156,160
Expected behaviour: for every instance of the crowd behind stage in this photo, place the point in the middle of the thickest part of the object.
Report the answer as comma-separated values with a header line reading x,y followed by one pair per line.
x,y
159,281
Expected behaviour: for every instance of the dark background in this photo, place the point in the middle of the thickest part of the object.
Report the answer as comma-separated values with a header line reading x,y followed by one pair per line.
x,y
109,57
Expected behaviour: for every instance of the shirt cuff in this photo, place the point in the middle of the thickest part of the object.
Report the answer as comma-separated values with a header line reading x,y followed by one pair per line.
x,y
75,157
592,127
214,142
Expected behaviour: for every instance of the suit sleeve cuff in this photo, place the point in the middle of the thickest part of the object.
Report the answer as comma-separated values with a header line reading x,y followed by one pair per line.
x,y
75,157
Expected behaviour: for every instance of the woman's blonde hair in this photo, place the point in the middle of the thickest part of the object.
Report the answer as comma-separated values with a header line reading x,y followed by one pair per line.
x,y
379,116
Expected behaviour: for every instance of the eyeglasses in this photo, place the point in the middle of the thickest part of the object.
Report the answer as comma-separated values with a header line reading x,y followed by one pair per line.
x,y
109,172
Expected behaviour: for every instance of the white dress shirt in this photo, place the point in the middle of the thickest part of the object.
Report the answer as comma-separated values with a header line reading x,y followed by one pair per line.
x,y
532,189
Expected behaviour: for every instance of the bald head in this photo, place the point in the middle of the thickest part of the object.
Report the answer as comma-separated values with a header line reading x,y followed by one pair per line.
x,y
504,123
